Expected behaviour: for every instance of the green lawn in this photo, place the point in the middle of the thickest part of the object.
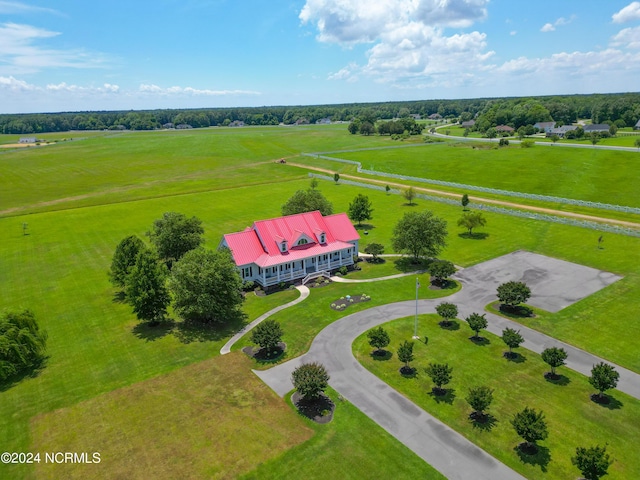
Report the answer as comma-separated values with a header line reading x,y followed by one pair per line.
x,y
350,447
573,419
597,175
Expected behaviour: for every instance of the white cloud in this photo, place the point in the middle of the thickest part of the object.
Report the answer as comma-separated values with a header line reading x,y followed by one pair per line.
x,y
19,7
14,85
19,52
551,27
190,91
513,32
628,14
63,87
408,36
628,37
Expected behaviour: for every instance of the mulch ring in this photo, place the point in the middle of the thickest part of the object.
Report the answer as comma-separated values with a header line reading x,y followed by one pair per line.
x,y
517,311
435,285
319,410
260,354
344,302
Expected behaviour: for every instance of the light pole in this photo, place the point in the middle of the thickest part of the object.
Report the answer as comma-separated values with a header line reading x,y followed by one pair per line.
x,y
415,323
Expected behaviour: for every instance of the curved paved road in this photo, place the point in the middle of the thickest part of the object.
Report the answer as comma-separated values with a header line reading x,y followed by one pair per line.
x,y
443,448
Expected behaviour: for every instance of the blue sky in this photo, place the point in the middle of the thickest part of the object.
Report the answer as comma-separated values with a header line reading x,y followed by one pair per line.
x,y
68,55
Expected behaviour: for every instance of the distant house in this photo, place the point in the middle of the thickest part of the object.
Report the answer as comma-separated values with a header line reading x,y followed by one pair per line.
x,y
183,126
561,131
27,140
545,126
596,127
288,248
302,121
323,121
433,116
637,126
468,124
168,125
504,129
237,123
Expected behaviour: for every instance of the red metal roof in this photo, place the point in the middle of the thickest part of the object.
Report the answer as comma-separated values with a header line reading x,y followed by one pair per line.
x,y
260,244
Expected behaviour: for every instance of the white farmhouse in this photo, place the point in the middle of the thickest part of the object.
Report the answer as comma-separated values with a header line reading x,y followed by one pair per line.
x,y
288,248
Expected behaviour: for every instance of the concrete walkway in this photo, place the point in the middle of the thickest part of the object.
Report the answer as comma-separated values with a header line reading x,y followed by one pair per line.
x,y
304,293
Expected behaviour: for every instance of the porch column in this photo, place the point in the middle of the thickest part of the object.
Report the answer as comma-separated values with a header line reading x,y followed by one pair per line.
x,y
278,272
264,277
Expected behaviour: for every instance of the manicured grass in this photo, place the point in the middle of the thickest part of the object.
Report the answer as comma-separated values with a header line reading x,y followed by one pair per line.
x,y
302,322
572,418
350,447
213,419
598,175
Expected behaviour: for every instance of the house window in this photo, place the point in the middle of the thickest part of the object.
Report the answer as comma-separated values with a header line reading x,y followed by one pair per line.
x,y
322,238
303,241
247,272
283,246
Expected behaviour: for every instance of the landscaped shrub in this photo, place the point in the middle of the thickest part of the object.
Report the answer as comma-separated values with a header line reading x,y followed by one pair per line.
x,y
343,270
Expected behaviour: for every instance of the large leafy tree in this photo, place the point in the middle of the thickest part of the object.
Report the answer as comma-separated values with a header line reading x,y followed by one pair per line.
x,y
124,258
513,293
307,201
603,377
207,286
267,335
419,234
174,234
310,380
22,343
360,209
146,287
593,462
531,426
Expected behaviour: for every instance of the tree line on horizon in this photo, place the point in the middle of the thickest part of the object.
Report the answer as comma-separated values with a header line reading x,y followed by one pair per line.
x,y
621,109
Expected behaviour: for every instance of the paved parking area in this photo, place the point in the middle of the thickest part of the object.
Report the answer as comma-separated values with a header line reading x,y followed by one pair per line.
x,y
555,284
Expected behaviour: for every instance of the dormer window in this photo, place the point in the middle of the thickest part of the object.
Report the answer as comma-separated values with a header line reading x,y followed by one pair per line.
x,y
323,238
303,241
283,246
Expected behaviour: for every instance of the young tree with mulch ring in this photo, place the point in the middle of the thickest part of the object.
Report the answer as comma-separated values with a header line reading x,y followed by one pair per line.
x,y
476,323
440,374
479,398
555,358
378,339
513,293
448,311
440,271
374,249
593,462
405,355
531,426
268,336
513,339
310,380
603,377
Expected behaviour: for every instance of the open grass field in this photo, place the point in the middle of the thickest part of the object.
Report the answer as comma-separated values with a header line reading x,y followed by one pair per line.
x,y
96,345
196,417
573,419
597,175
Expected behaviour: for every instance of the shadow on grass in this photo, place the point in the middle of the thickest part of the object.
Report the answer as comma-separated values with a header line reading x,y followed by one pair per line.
x,y
449,325
443,395
365,226
381,355
263,357
32,372
556,379
540,456
151,333
408,372
193,331
606,401
409,264
374,261
516,311
119,297
474,236
484,421
480,341
514,357
320,409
